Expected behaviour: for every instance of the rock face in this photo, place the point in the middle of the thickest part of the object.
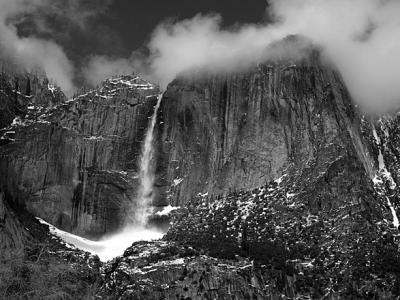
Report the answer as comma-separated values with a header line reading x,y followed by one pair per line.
x,y
286,191
74,163
165,270
277,165
13,236
224,133
18,91
36,265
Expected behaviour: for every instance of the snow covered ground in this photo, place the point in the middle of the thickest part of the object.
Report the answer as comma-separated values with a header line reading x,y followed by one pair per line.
x,y
110,246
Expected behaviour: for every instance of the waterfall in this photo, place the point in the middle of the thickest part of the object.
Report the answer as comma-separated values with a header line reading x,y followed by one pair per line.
x,y
146,173
135,229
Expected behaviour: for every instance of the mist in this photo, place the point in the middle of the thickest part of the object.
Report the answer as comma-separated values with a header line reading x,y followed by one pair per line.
x,y
100,67
32,53
109,246
359,37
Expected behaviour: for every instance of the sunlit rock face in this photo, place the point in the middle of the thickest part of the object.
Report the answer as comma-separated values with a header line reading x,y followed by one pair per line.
x,y
224,133
74,163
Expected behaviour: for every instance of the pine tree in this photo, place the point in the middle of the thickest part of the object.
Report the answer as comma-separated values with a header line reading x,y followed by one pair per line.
x,y
28,88
16,84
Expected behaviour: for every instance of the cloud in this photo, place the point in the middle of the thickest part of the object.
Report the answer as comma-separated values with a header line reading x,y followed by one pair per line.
x,y
197,43
100,67
29,51
360,37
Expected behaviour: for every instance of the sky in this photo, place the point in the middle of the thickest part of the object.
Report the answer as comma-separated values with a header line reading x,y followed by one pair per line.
x,y
82,42
77,30
135,20
121,26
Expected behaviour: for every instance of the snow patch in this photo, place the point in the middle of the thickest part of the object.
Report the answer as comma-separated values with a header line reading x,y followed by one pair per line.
x,y
166,210
177,181
51,88
381,161
202,195
94,138
395,218
178,261
280,179
386,174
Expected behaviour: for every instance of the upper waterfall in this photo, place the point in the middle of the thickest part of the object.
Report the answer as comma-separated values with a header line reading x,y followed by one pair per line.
x,y
136,229
146,172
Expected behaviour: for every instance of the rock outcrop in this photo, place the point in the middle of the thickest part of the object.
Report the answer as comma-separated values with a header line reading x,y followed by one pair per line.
x,y
165,270
74,164
18,91
224,133
315,201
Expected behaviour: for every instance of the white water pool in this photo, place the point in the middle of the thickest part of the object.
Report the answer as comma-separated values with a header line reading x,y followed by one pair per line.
x,y
109,246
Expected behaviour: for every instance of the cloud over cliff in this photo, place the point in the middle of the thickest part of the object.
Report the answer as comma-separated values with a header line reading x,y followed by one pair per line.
x,y
30,52
360,37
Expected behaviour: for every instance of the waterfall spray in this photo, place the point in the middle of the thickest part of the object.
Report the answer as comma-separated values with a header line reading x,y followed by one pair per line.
x,y
146,173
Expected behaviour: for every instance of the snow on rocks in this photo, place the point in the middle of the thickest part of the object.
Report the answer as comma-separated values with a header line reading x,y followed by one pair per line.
x,y
166,210
51,88
177,181
383,175
131,82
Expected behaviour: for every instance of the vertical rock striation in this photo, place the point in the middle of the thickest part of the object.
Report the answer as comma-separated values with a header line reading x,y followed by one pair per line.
x,y
224,133
75,164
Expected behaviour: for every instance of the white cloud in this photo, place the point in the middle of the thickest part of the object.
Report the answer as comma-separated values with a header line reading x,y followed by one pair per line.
x,y
101,67
32,53
361,37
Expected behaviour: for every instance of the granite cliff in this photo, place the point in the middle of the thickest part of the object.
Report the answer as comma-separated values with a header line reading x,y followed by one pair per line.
x,y
275,165
249,128
74,163
286,191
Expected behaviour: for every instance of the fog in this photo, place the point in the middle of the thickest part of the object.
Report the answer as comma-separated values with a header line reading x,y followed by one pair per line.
x,y
360,37
31,53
